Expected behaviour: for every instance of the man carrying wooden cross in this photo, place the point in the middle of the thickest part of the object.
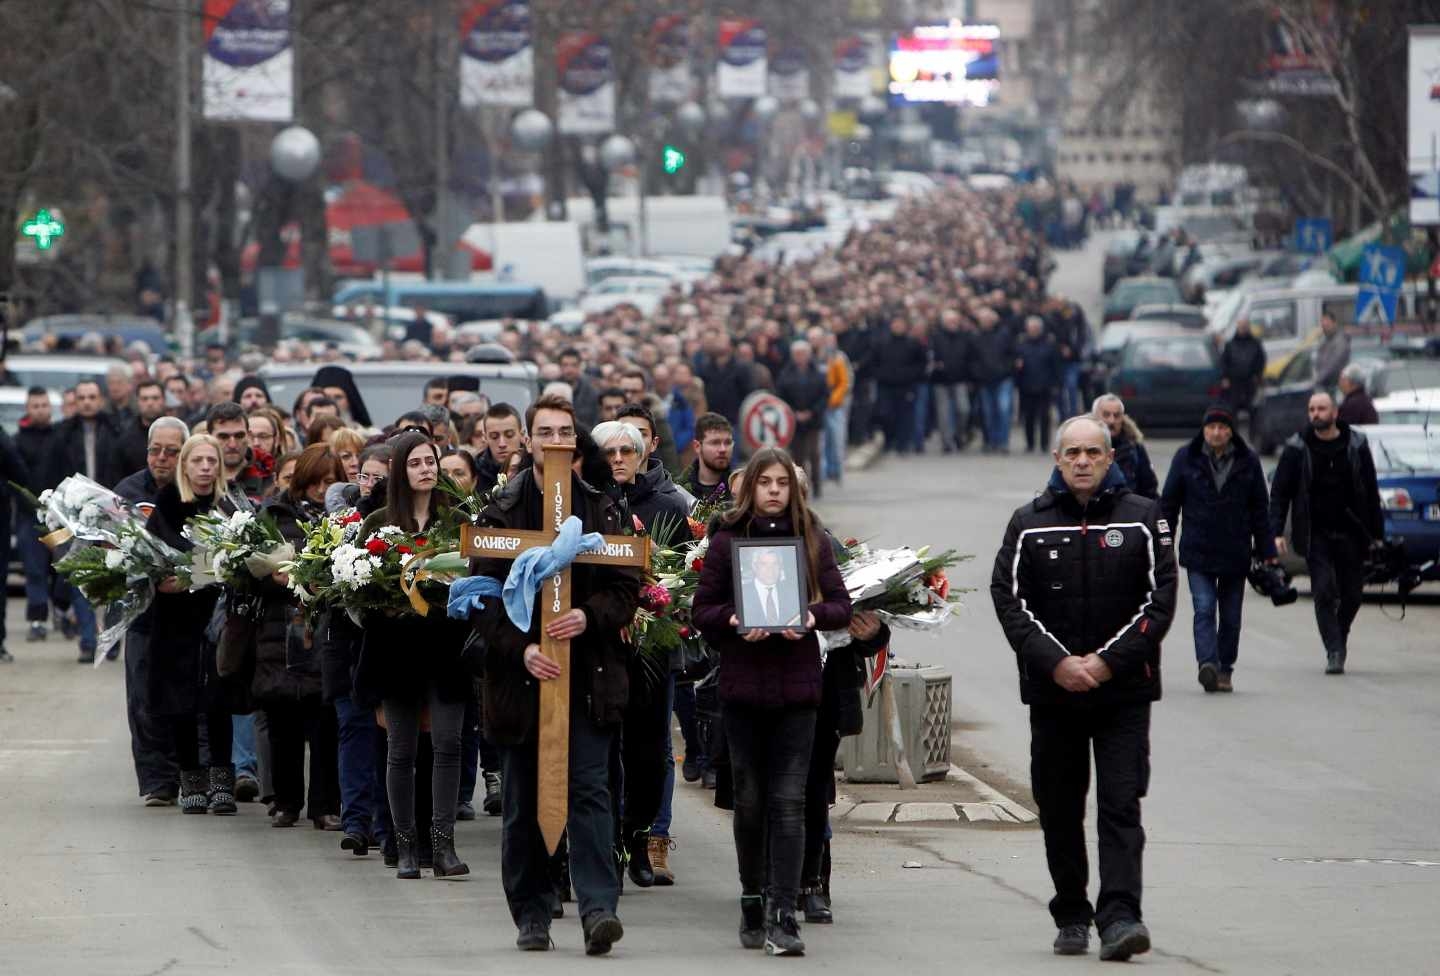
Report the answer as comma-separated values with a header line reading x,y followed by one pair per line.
x,y
603,598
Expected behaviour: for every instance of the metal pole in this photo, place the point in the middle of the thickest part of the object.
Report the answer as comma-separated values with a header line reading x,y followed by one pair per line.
x,y
184,246
440,256
643,210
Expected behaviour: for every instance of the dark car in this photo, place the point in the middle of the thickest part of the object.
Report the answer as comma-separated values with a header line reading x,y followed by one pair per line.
x,y
1130,293
1407,468
1122,257
1280,409
70,329
1105,355
1167,381
1190,316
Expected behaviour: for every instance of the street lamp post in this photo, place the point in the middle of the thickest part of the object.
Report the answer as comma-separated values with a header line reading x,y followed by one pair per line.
x,y
294,158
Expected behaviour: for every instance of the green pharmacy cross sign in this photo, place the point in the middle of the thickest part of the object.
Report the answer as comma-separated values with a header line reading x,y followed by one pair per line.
x,y
43,229
673,160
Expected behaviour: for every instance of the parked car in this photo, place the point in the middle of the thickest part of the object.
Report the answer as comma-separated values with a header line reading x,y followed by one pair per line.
x,y
70,329
1129,293
1190,316
643,293
1105,356
55,373
353,340
392,388
1410,407
1119,255
463,301
12,407
1407,468
602,269
1222,272
1167,381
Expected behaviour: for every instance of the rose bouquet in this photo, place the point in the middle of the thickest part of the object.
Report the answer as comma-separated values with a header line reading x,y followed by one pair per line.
x,y
236,550
311,569
662,628
394,572
114,561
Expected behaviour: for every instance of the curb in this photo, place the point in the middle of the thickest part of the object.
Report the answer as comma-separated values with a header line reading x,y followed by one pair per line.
x,y
993,807
864,457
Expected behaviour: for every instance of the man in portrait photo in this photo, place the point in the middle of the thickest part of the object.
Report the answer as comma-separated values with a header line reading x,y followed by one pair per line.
x,y
770,598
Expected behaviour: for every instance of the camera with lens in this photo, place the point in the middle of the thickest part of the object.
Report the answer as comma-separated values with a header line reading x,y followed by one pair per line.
x,y
1387,563
1274,582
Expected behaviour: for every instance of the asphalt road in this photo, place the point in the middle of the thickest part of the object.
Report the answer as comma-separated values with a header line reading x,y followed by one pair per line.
x,y
1292,825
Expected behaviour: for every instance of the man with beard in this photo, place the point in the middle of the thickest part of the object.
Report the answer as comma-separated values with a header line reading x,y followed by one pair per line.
x,y
152,745
708,478
135,431
604,600
1326,482
1130,455
227,423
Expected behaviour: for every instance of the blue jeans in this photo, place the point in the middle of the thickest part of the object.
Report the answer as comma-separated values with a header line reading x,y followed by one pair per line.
x,y
1067,398
837,426
1208,594
661,827
85,617
36,559
359,789
242,748
995,408
952,413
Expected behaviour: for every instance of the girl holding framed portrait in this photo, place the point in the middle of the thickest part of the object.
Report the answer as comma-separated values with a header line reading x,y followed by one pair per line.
x,y
769,581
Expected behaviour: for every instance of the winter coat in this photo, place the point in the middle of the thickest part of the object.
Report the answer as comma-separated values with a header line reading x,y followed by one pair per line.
x,y
587,402
708,497
182,680
898,361
139,488
804,390
599,679
1331,356
1242,362
1072,579
68,454
274,680
1358,408
774,672
1039,366
727,385
993,355
134,443
1290,491
653,498
1134,463
953,352
1222,528
682,421
35,445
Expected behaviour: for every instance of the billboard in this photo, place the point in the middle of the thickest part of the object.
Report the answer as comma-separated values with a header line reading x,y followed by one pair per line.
x,y
587,84
853,60
789,75
1423,98
954,63
670,60
249,64
497,61
743,62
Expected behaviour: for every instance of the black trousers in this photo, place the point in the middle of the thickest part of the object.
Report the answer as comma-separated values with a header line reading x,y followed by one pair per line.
x,y
640,758
1035,412
289,726
152,743
220,735
402,722
770,751
1337,584
1061,740
819,794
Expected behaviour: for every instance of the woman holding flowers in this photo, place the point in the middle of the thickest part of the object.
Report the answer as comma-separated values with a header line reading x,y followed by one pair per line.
x,y
413,664
287,664
770,690
184,687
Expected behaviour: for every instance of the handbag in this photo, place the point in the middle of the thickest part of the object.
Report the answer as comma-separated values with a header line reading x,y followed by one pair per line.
x,y
302,651
691,660
233,626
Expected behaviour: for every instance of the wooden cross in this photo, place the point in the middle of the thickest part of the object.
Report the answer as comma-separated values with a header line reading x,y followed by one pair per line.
x,y
552,806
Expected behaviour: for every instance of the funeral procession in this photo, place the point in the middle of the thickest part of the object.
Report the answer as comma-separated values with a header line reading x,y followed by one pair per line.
x,y
912,486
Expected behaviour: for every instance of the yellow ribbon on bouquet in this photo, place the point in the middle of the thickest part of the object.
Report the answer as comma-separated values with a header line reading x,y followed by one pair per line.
x,y
410,579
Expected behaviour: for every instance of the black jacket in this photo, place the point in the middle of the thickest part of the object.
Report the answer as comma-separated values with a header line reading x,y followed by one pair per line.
x,y
68,454
35,445
804,390
1242,362
1222,528
1075,580
898,361
653,497
952,351
726,385
857,344
139,487
1290,491
599,679
1358,408
1134,463
1039,366
134,440
275,680
994,355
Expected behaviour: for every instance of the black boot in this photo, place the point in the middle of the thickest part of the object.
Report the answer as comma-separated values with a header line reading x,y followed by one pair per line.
x,y
637,845
812,904
752,921
445,863
408,863
193,784
782,932
390,853
222,791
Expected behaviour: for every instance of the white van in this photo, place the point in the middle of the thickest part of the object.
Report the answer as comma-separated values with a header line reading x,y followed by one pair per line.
x,y
696,226
547,253
1283,318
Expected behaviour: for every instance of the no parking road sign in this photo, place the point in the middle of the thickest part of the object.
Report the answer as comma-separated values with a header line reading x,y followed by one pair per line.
x,y
766,421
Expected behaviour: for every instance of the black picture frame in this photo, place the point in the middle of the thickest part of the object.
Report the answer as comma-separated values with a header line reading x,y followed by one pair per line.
x,y
788,591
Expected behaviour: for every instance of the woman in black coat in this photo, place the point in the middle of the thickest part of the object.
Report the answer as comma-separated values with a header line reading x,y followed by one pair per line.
x,y
287,682
183,686
413,664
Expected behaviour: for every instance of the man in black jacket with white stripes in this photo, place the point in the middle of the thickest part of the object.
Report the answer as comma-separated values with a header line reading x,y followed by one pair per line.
x,y
1084,586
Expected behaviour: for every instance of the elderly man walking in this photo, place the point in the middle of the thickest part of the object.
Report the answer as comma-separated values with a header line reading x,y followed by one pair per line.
x,y
1084,585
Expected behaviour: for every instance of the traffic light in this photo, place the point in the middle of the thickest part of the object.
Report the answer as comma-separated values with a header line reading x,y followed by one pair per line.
x,y
672,159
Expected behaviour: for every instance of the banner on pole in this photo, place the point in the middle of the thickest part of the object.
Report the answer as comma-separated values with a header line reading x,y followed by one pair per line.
x,y
853,64
670,82
1423,99
789,75
587,84
743,62
497,60
248,69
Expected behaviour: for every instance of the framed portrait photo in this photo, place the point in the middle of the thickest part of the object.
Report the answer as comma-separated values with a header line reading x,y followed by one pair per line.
x,y
769,584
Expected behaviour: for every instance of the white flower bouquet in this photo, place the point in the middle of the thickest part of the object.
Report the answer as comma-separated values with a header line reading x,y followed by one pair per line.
x,y
237,549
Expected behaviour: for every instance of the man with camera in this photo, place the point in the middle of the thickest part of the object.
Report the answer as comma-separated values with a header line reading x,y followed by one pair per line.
x,y
1325,482
1217,487
1084,585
